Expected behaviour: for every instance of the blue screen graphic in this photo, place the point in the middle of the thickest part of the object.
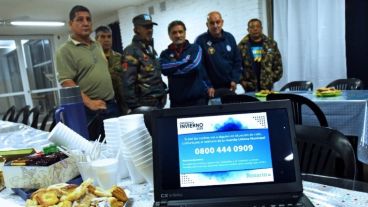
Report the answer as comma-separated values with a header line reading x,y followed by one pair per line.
x,y
224,150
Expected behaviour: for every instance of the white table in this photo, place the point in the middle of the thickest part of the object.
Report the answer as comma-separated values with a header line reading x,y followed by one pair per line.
x,y
142,195
347,113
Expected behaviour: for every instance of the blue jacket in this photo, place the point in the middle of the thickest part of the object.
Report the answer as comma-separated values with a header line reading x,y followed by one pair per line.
x,y
221,58
186,75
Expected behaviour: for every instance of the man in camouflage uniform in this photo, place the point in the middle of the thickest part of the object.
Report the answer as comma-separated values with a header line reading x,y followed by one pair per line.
x,y
262,65
104,36
142,76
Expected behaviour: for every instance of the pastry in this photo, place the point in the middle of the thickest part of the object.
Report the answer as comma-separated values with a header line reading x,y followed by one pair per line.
x,y
119,193
65,203
70,195
46,197
78,192
62,188
98,191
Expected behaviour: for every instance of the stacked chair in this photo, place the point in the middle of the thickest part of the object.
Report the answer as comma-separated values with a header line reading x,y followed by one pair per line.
x,y
30,116
325,151
298,86
347,84
297,102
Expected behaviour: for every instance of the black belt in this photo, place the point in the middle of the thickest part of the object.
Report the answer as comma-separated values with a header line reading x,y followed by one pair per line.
x,y
111,101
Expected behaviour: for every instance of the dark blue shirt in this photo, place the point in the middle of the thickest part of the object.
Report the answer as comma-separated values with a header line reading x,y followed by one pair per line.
x,y
185,72
221,58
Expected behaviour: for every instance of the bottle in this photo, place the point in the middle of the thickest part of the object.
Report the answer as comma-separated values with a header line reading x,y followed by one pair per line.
x,y
71,110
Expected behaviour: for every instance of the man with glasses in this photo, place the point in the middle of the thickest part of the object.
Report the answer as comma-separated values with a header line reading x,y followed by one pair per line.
x,y
221,56
262,65
142,71
80,61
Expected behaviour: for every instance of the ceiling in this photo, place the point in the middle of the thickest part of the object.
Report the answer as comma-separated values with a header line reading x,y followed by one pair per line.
x,y
49,10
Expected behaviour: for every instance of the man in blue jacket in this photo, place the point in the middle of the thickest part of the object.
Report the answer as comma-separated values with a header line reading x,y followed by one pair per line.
x,y
181,63
221,56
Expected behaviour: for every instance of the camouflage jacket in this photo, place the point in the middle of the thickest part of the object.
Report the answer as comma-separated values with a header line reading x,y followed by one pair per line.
x,y
142,74
271,64
116,72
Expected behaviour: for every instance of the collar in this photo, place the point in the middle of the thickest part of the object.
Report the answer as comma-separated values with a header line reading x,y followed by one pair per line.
x,y
248,39
216,39
76,42
144,43
172,46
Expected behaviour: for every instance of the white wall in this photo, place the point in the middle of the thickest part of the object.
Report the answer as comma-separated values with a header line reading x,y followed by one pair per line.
x,y
193,13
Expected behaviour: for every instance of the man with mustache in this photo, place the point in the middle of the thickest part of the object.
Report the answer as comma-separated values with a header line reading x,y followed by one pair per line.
x,y
80,61
262,65
221,56
142,76
181,62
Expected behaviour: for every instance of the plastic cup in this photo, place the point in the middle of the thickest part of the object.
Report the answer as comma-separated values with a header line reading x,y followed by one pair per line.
x,y
142,158
147,172
123,169
141,152
135,176
64,136
144,163
85,170
138,146
106,172
131,121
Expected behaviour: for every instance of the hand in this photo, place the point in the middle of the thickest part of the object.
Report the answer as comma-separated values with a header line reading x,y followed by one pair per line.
x,y
211,92
232,86
244,84
95,105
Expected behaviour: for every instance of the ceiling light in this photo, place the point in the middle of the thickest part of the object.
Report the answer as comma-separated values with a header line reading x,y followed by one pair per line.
x,y
7,46
38,23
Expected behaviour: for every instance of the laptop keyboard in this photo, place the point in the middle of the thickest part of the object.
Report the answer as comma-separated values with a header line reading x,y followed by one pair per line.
x,y
242,204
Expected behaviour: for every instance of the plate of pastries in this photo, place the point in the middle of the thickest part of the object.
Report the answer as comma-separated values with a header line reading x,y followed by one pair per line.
x,y
264,93
71,195
327,92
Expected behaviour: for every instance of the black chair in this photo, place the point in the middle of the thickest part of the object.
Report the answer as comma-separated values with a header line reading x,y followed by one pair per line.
x,y
325,151
347,84
35,113
298,86
50,116
220,92
238,99
297,102
24,112
9,114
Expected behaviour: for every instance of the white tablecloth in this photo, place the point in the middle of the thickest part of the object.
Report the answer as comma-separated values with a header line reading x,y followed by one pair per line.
x,y
142,195
347,116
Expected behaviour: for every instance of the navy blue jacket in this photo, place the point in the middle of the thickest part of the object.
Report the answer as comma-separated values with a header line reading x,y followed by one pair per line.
x,y
185,72
221,58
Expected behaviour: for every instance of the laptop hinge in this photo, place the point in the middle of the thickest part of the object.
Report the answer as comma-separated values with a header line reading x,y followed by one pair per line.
x,y
161,203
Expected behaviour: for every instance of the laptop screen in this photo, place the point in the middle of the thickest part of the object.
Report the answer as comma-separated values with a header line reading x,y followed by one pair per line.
x,y
224,151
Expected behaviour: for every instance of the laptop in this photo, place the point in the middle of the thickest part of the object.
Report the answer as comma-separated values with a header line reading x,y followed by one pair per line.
x,y
226,155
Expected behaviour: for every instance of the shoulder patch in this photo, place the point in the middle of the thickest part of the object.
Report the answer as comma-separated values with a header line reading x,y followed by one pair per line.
x,y
130,59
124,66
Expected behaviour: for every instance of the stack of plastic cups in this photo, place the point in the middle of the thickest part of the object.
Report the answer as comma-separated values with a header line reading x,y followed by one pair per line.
x,y
139,144
64,136
130,124
113,144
